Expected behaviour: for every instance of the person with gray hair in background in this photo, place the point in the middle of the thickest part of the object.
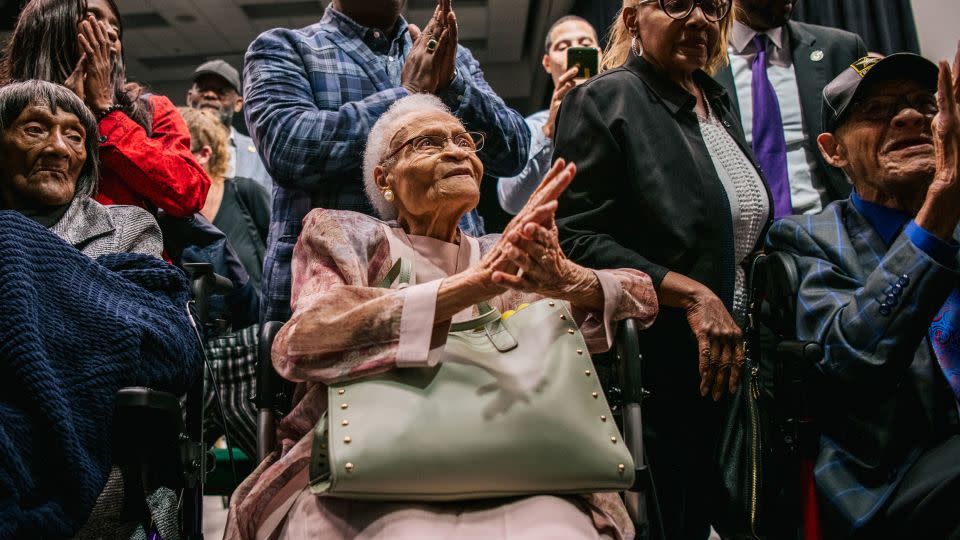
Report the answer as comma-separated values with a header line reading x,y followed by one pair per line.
x,y
216,88
566,32
422,173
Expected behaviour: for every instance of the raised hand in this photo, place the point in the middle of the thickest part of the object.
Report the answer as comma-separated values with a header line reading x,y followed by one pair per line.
x,y
540,210
940,213
946,125
564,85
75,81
447,52
421,70
95,46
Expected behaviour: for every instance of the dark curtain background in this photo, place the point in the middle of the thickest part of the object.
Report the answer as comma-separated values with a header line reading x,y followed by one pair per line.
x,y
887,26
600,13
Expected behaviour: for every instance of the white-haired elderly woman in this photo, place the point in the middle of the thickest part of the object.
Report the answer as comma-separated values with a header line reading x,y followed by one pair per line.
x,y
422,174
48,144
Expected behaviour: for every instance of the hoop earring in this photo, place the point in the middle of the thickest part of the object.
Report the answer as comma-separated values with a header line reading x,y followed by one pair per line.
x,y
388,195
636,46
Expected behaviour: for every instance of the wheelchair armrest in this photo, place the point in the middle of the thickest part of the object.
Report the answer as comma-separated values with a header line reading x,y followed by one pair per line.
x,y
149,434
205,283
632,393
140,398
794,361
273,393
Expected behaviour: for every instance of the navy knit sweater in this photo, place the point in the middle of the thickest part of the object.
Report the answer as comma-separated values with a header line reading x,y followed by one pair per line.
x,y
73,331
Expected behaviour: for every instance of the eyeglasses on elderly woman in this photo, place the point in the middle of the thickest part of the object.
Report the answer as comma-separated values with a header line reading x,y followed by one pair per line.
x,y
471,141
713,10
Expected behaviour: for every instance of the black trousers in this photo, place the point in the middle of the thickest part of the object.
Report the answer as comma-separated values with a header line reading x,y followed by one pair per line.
x,y
926,504
680,435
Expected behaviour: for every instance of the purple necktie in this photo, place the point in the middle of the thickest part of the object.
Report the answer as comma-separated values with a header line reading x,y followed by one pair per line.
x,y
769,142
945,339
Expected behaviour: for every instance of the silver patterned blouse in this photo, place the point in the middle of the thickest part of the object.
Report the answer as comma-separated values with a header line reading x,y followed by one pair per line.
x,y
749,204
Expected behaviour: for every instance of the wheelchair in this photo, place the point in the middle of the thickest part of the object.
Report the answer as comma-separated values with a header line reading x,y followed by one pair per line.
x,y
786,365
625,394
158,439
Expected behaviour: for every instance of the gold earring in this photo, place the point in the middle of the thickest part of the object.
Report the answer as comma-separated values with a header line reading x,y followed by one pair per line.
x,y
388,195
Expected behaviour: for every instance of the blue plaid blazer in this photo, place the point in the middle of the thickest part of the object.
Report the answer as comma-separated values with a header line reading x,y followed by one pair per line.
x,y
881,396
312,95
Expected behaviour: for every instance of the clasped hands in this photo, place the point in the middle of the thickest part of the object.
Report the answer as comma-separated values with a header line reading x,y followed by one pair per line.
x,y
92,78
528,257
431,63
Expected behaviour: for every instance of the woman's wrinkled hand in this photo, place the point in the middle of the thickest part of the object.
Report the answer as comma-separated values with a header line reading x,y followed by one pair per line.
x,y
720,342
95,46
544,269
76,81
540,210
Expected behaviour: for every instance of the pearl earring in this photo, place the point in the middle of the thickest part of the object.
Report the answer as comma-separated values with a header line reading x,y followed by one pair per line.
x,y
388,195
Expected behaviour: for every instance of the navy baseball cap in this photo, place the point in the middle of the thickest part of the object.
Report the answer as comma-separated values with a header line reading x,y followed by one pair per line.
x,y
850,84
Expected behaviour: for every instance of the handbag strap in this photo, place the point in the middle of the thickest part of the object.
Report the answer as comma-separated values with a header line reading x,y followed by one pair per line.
x,y
488,314
402,269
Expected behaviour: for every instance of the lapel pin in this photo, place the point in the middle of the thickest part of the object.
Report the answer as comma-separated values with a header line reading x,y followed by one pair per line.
x,y
251,148
816,56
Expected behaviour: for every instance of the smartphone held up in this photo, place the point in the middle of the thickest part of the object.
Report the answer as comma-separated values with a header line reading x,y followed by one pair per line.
x,y
586,59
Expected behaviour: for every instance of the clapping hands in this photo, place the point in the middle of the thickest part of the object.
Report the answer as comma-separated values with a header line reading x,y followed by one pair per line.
x,y
528,257
431,64
91,80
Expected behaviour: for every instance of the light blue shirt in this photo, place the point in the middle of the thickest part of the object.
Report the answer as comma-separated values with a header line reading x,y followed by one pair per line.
x,y
513,191
805,193
245,161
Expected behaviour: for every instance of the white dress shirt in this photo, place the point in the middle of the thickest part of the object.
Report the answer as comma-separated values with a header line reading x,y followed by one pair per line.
x,y
807,197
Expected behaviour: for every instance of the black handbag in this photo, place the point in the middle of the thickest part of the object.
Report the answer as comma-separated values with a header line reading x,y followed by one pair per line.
x,y
742,447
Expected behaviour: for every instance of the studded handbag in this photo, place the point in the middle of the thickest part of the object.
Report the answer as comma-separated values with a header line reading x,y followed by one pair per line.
x,y
513,408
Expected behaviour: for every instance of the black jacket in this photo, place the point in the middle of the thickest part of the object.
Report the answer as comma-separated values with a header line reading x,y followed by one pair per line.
x,y
646,194
836,50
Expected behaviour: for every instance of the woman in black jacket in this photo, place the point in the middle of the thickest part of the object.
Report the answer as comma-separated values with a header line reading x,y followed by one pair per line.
x,y
667,185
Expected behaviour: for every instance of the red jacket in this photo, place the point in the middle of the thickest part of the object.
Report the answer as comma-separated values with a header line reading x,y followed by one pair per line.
x,y
151,172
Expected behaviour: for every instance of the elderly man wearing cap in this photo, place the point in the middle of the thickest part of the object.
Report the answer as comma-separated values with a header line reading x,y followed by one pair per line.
x,y
880,290
216,87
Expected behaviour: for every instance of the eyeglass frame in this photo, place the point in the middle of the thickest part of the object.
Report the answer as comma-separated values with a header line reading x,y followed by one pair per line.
x,y
694,5
908,101
477,137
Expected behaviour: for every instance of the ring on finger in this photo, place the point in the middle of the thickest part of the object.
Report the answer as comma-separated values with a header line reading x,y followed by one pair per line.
x,y
432,45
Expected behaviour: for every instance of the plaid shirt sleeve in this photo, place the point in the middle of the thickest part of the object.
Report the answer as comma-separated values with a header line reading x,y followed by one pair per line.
x,y
301,141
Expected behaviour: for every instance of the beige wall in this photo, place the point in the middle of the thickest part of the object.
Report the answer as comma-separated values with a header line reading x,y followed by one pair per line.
x,y
938,23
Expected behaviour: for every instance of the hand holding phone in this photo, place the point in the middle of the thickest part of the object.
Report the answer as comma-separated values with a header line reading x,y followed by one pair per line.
x,y
586,59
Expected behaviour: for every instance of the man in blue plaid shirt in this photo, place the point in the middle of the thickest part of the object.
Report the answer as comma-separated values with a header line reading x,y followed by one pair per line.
x,y
313,94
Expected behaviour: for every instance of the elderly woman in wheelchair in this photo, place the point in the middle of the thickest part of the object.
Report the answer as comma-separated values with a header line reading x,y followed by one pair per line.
x,y
352,333
88,308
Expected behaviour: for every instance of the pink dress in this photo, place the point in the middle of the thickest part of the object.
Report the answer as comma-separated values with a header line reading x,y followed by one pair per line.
x,y
345,327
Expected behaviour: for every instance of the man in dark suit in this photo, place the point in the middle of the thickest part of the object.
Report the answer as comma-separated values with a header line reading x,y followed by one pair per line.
x,y
880,290
777,96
